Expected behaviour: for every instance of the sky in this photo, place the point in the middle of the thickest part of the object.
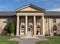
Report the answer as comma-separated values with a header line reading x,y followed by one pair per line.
x,y
12,5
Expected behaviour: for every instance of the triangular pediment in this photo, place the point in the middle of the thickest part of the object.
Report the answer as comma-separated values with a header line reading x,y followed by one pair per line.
x,y
30,8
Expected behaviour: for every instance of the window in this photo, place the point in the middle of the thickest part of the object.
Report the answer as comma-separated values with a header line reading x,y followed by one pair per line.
x,y
54,27
38,20
29,28
54,20
30,20
46,20
38,26
22,27
22,19
38,30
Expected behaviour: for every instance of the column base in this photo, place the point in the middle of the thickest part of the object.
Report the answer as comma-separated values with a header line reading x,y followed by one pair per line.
x,y
34,35
17,35
51,34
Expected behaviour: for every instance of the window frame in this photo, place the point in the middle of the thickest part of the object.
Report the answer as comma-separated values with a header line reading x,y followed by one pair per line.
x,y
54,20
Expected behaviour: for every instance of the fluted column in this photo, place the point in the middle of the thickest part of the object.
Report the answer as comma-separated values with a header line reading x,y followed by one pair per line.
x,y
17,30
43,26
26,25
34,25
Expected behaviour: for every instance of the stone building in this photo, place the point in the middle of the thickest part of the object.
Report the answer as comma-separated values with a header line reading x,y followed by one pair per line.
x,y
32,21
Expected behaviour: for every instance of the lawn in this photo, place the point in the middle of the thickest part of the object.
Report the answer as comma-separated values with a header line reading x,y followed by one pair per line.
x,y
51,40
5,40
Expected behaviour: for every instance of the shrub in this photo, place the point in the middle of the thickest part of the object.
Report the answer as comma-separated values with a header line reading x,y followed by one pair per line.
x,y
11,28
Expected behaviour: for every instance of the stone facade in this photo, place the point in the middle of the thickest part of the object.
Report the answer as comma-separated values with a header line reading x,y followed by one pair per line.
x,y
31,21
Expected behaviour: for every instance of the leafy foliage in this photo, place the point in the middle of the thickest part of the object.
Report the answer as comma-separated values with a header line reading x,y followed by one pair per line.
x,y
5,40
11,27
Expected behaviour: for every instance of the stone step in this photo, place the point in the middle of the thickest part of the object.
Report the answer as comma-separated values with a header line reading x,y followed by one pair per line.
x,y
28,38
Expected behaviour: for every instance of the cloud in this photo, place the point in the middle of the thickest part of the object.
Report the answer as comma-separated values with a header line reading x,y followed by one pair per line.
x,y
54,9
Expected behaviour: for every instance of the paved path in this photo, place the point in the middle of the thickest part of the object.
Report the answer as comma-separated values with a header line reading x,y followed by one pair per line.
x,y
28,40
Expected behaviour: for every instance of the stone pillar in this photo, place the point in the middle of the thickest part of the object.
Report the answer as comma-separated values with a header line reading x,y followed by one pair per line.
x,y
34,25
43,26
17,30
50,30
26,25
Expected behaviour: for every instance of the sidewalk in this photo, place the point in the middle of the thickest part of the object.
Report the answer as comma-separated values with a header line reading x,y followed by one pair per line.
x,y
25,40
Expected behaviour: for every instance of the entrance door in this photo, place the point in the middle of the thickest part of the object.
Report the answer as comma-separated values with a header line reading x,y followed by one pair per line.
x,y
29,32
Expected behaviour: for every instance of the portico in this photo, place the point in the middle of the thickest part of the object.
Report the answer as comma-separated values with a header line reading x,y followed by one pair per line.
x,y
30,22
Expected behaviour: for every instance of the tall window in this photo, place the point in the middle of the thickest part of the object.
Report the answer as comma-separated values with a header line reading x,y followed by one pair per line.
x,y
30,20
46,20
54,20
54,27
22,19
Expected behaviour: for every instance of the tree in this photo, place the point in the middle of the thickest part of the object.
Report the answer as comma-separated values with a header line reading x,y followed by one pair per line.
x,y
11,28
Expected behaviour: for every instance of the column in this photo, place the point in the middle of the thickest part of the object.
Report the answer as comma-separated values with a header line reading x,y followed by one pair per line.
x,y
34,25
26,25
50,30
43,26
17,31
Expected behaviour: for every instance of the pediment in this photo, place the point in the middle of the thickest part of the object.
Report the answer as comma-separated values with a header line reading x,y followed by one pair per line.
x,y
30,8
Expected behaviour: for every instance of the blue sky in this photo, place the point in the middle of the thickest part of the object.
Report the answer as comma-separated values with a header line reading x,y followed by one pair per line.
x,y
11,5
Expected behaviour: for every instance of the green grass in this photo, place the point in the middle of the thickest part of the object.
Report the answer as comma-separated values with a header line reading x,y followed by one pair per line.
x,y
51,40
5,40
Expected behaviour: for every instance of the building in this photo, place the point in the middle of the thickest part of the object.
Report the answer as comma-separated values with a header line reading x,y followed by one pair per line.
x,y
31,20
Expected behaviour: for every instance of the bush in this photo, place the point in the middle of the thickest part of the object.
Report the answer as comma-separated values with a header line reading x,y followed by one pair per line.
x,y
11,28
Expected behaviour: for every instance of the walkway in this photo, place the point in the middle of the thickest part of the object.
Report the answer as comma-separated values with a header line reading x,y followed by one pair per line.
x,y
28,40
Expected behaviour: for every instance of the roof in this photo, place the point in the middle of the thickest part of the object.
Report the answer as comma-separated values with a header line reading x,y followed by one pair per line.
x,y
32,6
52,13
7,13
12,13
47,13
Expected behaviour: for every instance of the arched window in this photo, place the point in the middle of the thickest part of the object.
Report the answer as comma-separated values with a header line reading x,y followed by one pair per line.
x,y
22,27
38,26
38,30
29,28
54,27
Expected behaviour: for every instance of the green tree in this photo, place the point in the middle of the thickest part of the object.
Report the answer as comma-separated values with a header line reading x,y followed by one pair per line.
x,y
11,28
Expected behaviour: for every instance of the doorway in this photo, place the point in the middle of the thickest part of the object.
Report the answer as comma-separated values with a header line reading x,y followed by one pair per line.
x,y
29,31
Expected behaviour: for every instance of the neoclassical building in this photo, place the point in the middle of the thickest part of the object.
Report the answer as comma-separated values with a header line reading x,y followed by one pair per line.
x,y
31,21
